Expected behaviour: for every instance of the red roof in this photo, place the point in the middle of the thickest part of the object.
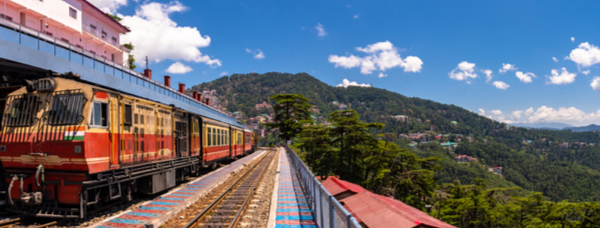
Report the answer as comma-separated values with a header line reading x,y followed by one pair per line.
x,y
377,211
336,186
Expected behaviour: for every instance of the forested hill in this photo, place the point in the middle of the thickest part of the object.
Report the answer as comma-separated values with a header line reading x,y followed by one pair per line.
x,y
556,163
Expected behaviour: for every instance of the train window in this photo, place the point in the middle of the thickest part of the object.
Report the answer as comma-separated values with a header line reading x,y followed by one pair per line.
x,y
22,111
128,115
99,115
223,137
142,146
141,119
209,135
141,132
66,109
135,118
214,136
218,137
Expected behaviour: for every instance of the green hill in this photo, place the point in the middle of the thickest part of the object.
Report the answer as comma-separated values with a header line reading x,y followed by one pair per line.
x,y
551,162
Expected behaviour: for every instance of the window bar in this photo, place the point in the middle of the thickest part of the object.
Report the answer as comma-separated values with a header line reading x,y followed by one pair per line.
x,y
55,109
20,106
5,118
80,104
27,112
69,110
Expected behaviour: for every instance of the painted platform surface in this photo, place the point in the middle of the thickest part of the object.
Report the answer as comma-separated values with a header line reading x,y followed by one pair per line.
x,y
154,213
293,210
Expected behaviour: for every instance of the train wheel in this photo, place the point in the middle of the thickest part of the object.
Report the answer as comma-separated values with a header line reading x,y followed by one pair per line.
x,y
126,195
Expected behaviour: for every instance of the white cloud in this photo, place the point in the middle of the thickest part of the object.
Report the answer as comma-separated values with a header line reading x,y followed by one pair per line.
x,y
572,39
381,56
525,77
109,6
258,54
345,83
517,114
563,115
563,78
356,16
463,71
586,72
382,75
568,115
506,67
501,85
585,55
554,58
488,74
178,68
224,73
596,83
481,111
320,29
155,35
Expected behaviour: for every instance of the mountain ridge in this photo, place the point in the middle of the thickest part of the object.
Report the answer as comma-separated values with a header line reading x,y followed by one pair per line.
x,y
536,160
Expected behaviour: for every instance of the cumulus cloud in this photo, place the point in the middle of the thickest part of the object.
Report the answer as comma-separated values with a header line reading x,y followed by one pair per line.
x,y
563,114
517,114
488,74
554,58
320,29
382,75
463,71
596,83
506,67
501,85
345,83
155,35
380,56
572,39
224,73
356,16
585,55
586,72
109,6
525,77
529,111
258,54
178,68
564,77
569,115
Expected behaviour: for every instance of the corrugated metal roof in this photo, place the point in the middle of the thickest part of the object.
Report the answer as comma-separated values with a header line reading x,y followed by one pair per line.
x,y
336,186
377,211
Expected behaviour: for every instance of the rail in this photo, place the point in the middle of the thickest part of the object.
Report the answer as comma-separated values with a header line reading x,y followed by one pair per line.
x,y
328,212
34,39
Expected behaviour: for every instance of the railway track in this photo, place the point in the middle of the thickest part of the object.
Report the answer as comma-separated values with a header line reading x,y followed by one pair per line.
x,y
226,209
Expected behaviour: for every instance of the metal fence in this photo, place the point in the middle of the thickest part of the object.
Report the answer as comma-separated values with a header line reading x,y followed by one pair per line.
x,y
327,211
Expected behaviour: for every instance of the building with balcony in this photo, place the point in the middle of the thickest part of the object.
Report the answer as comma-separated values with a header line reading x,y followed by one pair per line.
x,y
76,24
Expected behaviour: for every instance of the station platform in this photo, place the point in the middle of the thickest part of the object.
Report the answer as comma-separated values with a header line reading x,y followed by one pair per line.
x,y
156,212
292,209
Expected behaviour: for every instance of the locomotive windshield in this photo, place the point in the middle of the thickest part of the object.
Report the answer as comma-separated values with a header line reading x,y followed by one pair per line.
x,y
22,110
67,108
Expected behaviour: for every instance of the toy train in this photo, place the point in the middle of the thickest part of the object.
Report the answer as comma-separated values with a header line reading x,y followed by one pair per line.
x,y
68,146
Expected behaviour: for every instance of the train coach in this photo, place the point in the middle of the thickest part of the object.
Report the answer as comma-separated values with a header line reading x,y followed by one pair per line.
x,y
67,146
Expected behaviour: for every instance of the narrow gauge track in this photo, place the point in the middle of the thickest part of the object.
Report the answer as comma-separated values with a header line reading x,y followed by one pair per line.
x,y
225,210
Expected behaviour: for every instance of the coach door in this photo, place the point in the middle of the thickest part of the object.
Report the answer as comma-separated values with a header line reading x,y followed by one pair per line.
x,y
181,134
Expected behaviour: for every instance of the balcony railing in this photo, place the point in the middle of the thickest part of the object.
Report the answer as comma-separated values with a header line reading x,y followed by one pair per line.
x,y
98,34
34,39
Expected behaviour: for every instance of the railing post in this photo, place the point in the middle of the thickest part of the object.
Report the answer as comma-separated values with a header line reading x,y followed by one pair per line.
x,y
38,41
20,34
70,51
331,212
54,45
321,207
348,218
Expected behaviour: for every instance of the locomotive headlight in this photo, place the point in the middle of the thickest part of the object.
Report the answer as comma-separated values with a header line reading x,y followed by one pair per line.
x,y
3,148
78,149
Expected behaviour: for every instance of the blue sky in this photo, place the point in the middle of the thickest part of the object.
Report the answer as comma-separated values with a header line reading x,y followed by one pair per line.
x,y
435,50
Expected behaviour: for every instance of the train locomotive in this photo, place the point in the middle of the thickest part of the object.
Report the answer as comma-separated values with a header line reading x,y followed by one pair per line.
x,y
68,146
